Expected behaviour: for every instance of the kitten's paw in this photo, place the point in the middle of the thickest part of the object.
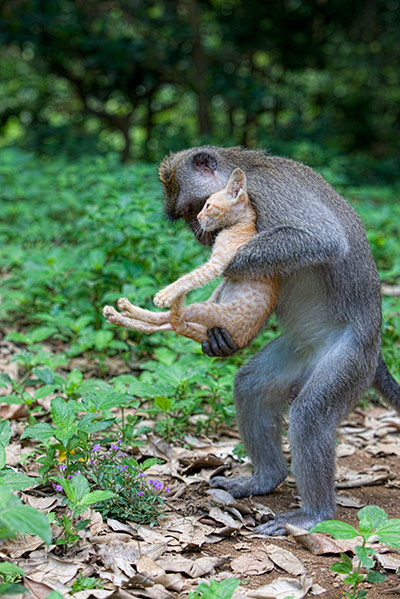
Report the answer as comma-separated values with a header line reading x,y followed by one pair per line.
x,y
245,486
111,314
299,518
124,304
164,298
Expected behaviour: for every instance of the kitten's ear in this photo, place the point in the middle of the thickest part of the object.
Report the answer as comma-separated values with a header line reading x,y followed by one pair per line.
x,y
205,163
236,184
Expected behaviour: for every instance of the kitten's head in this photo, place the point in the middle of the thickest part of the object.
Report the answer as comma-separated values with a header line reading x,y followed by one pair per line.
x,y
227,206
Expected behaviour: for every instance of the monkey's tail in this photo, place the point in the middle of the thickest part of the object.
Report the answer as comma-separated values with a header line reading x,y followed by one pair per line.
x,y
386,384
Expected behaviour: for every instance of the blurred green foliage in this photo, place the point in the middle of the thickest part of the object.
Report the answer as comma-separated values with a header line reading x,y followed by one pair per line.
x,y
144,78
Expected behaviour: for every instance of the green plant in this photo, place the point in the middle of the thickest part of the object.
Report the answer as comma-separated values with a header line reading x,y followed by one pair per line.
x,y
215,590
134,497
15,517
82,583
10,576
373,522
78,498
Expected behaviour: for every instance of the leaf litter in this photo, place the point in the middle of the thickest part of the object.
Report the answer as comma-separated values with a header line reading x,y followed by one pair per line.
x,y
206,533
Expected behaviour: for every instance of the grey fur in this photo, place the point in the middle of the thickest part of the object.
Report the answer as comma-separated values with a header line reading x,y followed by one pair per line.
x,y
329,311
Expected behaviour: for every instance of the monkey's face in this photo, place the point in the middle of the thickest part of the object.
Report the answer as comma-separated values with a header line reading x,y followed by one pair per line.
x,y
189,177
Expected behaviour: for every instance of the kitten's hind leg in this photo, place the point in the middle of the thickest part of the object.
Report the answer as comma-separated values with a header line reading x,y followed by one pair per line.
x,y
114,317
131,311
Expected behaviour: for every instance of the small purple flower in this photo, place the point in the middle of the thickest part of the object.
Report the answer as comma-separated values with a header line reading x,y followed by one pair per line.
x,y
58,487
157,484
96,447
62,467
119,441
114,447
125,467
140,493
167,489
122,455
141,474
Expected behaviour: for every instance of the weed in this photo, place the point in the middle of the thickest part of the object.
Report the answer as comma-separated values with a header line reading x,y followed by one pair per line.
x,y
373,522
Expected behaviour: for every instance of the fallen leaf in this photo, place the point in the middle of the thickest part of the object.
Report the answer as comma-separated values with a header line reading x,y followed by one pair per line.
x,y
252,564
285,560
388,561
347,501
282,588
193,568
318,543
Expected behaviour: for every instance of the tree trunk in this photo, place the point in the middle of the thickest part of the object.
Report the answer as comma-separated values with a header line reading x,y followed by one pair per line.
x,y
200,68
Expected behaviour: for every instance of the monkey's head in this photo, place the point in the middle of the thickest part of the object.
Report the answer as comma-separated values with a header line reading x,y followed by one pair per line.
x,y
188,178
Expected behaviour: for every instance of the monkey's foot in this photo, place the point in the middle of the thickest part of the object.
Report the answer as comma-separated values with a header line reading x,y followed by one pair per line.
x,y
299,518
245,486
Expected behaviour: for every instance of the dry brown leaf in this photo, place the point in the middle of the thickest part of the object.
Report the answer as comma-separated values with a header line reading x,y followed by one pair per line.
x,y
127,552
285,560
224,499
252,564
193,568
146,564
15,548
344,450
388,561
52,570
318,543
384,449
44,504
40,590
96,593
347,501
229,524
296,588
351,478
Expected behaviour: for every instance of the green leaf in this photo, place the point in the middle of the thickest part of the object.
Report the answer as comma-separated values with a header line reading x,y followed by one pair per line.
x,y
44,391
41,333
27,520
363,555
5,380
41,432
96,496
7,569
3,457
353,578
341,568
62,414
375,576
5,432
336,528
389,533
44,374
17,481
371,517
81,486
163,403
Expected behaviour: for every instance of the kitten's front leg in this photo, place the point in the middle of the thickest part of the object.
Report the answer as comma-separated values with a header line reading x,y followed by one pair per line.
x,y
165,297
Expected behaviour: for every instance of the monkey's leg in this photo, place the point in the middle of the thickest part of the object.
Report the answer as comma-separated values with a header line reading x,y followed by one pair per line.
x,y
335,380
262,390
131,311
114,317
192,330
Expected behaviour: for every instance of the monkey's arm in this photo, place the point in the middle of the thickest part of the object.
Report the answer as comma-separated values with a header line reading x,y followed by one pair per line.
x,y
285,249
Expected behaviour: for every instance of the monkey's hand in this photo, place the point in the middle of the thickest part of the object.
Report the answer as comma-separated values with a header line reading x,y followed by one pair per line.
x,y
219,343
165,297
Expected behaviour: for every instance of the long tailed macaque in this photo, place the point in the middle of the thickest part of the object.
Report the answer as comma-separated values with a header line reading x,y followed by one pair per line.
x,y
329,311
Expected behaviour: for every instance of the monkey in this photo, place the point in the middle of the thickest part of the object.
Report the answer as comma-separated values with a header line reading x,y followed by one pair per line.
x,y
329,311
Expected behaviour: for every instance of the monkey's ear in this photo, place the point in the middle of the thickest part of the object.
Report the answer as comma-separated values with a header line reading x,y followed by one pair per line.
x,y
236,184
205,162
